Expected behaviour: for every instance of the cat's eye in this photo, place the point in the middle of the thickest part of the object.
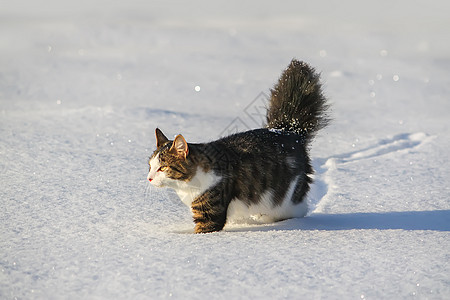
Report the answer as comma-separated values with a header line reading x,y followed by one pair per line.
x,y
162,169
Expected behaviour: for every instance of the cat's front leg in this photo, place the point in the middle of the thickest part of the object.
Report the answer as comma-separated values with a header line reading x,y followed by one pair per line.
x,y
210,211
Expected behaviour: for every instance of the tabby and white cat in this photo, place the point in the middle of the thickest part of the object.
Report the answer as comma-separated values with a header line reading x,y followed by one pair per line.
x,y
260,175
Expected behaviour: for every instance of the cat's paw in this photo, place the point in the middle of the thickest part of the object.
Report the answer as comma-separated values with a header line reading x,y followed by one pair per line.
x,y
207,227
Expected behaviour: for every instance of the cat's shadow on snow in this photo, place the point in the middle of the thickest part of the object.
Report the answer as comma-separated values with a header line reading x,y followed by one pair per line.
x,y
436,220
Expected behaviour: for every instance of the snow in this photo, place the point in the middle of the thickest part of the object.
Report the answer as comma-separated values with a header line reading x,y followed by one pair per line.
x,y
84,84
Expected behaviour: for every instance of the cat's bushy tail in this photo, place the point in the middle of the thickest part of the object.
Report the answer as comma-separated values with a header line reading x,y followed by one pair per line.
x,y
297,103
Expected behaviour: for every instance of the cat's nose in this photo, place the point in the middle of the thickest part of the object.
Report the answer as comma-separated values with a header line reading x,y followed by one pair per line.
x,y
150,179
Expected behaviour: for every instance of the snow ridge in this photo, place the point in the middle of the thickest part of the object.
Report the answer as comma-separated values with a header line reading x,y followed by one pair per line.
x,y
324,188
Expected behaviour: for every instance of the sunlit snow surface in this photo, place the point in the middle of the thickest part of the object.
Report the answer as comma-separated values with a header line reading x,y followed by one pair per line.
x,y
83,85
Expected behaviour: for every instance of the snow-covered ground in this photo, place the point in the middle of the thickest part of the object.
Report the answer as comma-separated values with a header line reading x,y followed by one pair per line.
x,y
83,84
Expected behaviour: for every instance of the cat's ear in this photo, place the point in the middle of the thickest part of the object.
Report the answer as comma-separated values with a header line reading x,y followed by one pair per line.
x,y
180,147
161,139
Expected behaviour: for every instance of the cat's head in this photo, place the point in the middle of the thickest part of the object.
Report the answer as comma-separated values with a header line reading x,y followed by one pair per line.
x,y
170,163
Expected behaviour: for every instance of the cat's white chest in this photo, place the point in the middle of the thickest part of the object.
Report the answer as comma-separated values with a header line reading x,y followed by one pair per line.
x,y
202,181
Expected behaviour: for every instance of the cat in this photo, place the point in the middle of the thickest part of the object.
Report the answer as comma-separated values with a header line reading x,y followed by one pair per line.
x,y
262,174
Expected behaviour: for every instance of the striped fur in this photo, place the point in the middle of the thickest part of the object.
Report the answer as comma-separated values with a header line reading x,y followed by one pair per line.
x,y
260,175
